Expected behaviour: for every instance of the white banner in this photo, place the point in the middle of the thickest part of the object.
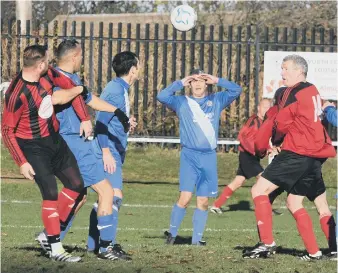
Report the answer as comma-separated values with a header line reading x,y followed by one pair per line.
x,y
322,72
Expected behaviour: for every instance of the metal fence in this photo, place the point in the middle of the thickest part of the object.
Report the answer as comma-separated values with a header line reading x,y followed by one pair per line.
x,y
234,52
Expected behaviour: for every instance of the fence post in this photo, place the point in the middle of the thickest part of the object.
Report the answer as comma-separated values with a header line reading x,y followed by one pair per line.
x,y
202,47
145,84
137,52
110,52
154,115
99,65
211,54
164,78
18,46
83,46
257,65
91,57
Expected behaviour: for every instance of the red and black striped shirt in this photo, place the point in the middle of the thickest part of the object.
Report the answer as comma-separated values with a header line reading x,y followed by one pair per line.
x,y
29,113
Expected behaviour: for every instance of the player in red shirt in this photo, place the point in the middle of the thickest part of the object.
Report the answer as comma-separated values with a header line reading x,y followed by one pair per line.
x,y
30,132
304,145
249,163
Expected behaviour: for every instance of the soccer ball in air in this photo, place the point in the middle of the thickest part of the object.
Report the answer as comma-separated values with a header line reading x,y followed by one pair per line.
x,y
183,18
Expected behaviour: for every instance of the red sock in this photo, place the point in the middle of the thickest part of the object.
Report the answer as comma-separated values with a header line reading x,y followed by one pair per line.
x,y
329,228
304,225
50,217
225,195
66,200
263,212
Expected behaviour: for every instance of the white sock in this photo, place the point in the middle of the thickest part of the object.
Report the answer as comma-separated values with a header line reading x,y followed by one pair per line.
x,y
317,254
57,248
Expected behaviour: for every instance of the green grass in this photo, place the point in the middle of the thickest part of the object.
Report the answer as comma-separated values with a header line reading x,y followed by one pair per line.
x,y
151,179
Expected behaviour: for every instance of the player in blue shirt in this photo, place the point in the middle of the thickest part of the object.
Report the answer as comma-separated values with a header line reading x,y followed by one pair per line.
x,y
199,116
330,112
111,141
69,57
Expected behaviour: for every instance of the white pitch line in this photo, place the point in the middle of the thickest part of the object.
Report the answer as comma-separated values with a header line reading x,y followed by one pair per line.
x,y
157,229
135,205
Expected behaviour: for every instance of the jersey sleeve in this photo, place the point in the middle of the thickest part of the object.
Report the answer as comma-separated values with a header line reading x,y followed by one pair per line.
x,y
167,95
104,118
232,92
13,109
60,80
331,115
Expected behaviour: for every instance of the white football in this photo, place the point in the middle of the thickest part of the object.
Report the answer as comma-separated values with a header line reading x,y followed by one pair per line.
x,y
183,18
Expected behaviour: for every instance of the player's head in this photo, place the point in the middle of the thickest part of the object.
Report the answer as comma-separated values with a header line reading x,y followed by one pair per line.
x,y
126,64
294,70
69,52
263,106
35,58
198,87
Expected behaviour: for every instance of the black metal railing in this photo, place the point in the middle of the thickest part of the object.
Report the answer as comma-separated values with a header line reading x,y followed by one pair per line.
x,y
236,53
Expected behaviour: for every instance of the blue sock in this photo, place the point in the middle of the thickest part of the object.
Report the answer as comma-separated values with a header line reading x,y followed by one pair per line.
x,y
177,215
106,228
94,234
117,202
199,220
64,232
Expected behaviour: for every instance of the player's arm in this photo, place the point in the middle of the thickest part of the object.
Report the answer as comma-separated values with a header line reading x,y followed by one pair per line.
x,y
64,96
232,92
330,113
167,95
101,105
13,109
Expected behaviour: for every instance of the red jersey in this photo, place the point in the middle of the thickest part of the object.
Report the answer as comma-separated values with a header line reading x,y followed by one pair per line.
x,y
294,123
299,120
247,134
29,113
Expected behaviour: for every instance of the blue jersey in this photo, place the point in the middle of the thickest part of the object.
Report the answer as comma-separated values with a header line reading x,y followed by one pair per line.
x,y
69,121
199,118
109,131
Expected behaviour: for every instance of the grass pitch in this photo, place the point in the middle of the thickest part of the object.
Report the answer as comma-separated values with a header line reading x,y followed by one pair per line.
x,y
150,190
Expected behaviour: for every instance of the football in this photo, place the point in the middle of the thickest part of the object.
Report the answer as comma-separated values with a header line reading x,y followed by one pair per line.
x,y
183,18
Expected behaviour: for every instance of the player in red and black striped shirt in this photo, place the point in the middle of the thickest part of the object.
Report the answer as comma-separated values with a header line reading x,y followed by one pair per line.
x,y
249,164
30,131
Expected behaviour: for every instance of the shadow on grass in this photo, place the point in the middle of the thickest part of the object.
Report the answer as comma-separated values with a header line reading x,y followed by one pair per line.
x,y
180,240
281,250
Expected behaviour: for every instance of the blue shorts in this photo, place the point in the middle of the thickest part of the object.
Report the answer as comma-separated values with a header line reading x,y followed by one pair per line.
x,y
199,169
91,169
115,178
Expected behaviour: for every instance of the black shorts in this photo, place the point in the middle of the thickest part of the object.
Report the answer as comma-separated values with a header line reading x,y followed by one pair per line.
x,y
296,174
249,165
50,157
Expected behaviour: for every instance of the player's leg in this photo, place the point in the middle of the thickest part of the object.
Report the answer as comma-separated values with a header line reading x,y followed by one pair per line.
x,y
79,202
188,177
40,154
304,225
327,222
284,171
227,193
66,169
206,187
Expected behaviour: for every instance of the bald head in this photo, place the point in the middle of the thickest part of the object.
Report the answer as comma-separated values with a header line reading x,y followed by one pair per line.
x,y
263,106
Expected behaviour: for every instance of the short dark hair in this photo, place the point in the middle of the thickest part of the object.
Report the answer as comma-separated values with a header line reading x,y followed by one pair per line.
x,y
123,62
33,54
64,47
197,71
